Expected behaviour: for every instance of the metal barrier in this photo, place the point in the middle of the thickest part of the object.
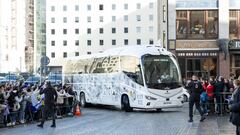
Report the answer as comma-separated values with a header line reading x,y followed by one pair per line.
x,y
219,103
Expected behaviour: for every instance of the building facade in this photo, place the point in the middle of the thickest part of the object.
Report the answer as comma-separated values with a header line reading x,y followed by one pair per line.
x,y
29,24
16,38
87,27
199,32
4,34
39,33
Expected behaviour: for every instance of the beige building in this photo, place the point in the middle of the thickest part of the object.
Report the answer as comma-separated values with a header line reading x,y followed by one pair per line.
x,y
198,32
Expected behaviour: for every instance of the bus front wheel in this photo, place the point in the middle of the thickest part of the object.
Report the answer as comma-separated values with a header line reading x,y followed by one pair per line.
x,y
126,104
83,100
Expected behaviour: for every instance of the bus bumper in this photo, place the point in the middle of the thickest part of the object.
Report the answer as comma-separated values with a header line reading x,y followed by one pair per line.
x,y
163,104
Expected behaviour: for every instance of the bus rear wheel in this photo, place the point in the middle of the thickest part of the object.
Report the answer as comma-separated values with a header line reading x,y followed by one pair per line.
x,y
126,104
82,100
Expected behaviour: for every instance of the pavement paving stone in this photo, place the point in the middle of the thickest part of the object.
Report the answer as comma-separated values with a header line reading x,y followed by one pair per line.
x,y
105,121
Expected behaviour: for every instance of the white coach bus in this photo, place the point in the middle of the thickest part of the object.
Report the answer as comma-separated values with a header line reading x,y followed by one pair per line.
x,y
129,77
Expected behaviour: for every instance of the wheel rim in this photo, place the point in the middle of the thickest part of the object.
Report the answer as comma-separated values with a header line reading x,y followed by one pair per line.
x,y
82,100
125,101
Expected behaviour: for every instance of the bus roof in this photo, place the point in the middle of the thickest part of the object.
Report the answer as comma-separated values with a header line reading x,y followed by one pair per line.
x,y
132,50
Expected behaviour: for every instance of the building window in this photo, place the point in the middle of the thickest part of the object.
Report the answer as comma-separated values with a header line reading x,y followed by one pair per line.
x,y
52,20
113,42
64,8
76,53
53,54
125,18
64,42
76,42
76,31
64,19
89,19
197,24
151,5
76,8
89,53
151,42
125,41
234,24
76,19
138,17
100,18
125,30
138,41
126,6
138,6
52,8
150,28
113,6
88,30
114,30
64,31
113,18
89,7
89,42
53,31
150,17
100,7
101,30
101,42
64,55
138,29
53,43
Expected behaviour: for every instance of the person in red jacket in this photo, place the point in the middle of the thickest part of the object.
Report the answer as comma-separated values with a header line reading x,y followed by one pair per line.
x,y
210,93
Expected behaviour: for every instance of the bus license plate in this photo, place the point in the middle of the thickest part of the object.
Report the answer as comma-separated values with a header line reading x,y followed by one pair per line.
x,y
167,102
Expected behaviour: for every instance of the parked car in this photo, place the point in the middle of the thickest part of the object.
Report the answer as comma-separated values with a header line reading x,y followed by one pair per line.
x,y
12,78
33,80
186,95
25,75
1,79
54,79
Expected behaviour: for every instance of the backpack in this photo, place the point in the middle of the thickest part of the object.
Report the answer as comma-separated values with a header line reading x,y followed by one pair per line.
x,y
203,97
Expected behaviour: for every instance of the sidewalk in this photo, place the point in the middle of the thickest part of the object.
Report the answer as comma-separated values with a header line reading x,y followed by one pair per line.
x,y
213,125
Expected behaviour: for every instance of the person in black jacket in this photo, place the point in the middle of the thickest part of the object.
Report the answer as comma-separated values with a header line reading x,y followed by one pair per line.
x,y
50,99
219,88
195,90
235,107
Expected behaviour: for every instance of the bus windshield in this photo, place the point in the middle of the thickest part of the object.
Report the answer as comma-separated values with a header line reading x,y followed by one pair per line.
x,y
161,72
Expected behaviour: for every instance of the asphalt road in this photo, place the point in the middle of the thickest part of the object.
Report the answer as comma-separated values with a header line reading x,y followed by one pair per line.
x,y
107,121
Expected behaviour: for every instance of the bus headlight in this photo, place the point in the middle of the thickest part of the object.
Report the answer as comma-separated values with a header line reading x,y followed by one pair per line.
x,y
150,98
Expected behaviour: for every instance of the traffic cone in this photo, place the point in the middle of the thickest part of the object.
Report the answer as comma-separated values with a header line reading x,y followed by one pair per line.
x,y
77,112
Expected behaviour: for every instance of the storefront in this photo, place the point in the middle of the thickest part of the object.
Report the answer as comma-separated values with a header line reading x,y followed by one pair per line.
x,y
234,50
197,57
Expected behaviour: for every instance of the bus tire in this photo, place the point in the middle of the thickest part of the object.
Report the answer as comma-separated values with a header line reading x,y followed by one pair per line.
x,y
126,104
83,102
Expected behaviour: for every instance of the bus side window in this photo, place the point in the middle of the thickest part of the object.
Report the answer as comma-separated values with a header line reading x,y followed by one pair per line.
x,y
131,67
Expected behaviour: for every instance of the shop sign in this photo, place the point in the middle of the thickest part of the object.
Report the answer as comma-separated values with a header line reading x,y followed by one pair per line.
x,y
234,4
197,4
234,44
196,44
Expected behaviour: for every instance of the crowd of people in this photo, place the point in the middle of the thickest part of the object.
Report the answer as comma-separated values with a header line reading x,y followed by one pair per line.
x,y
21,103
212,96
215,95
